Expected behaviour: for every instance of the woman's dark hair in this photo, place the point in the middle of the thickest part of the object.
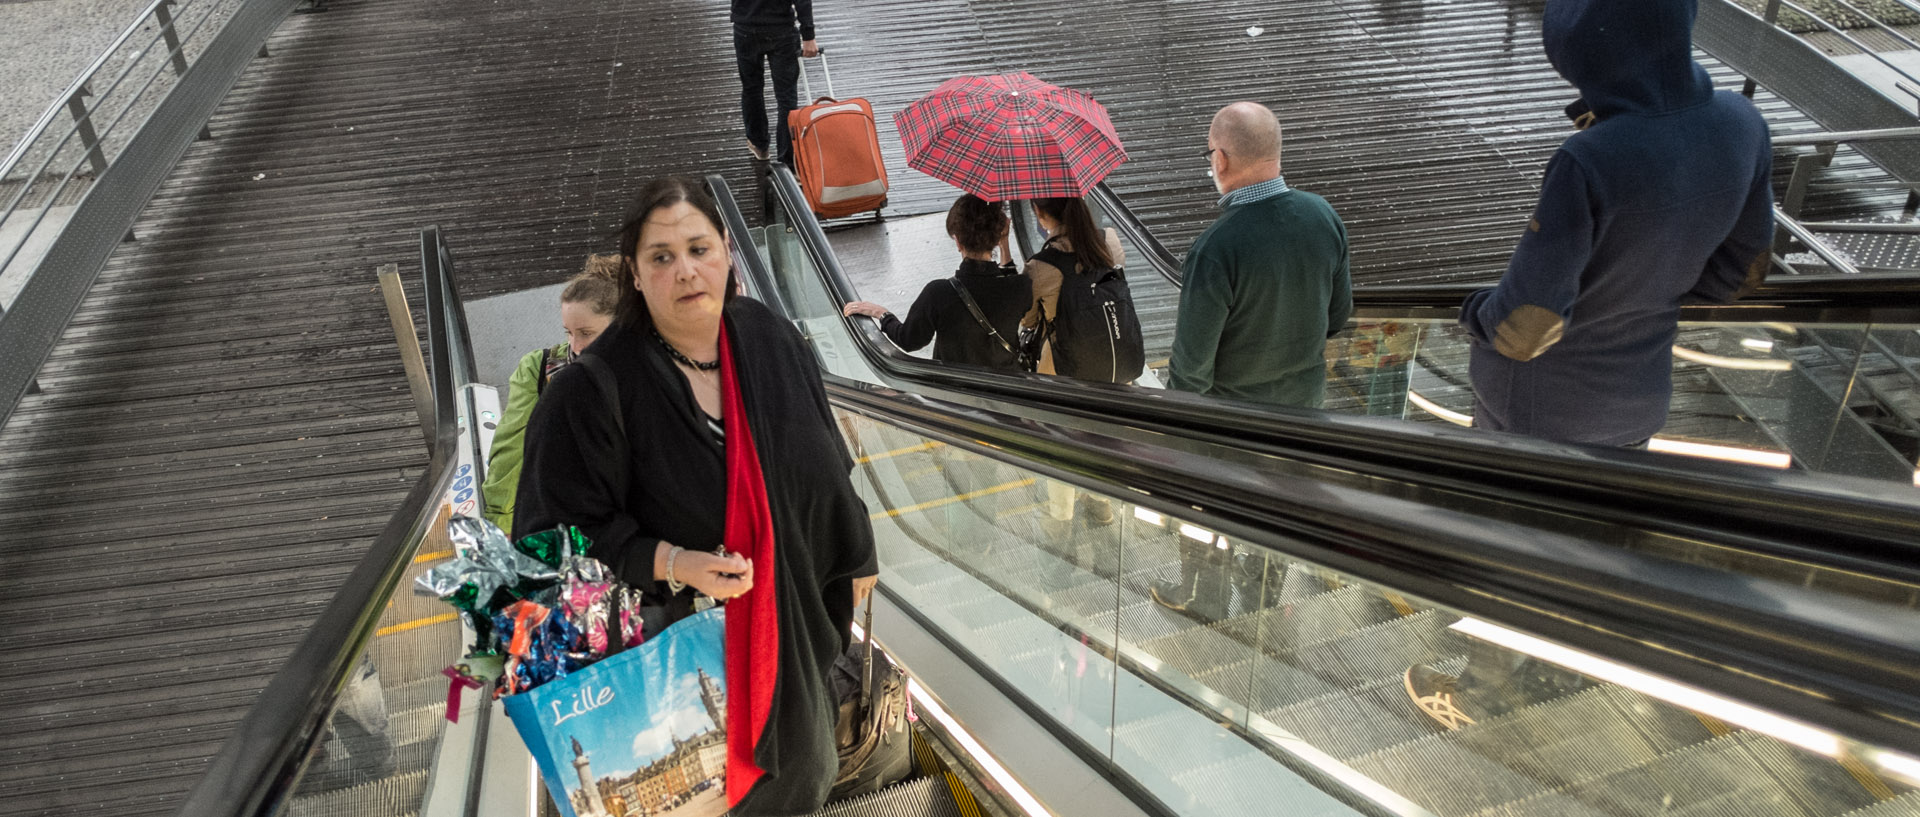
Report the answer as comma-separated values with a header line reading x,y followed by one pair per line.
x,y
1076,223
657,195
976,223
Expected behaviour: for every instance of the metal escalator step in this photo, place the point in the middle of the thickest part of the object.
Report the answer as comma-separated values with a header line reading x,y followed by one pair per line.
x,y
1905,805
1138,620
1554,744
1348,723
1197,650
1718,778
1822,785
397,796
1382,650
1264,684
923,797
1308,620
1301,581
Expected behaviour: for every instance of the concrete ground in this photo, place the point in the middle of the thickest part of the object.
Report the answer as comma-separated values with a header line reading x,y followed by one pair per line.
x,y
44,45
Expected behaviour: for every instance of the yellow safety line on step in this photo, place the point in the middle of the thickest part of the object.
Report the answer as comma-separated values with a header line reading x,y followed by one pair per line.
x,y
1020,510
1005,486
1866,778
433,557
927,446
415,624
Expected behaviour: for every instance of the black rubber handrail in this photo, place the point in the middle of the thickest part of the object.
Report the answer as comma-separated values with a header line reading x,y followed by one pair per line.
x,y
1829,660
1847,524
1874,297
259,766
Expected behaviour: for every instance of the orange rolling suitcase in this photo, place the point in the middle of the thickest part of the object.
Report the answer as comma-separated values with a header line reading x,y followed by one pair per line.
x,y
836,153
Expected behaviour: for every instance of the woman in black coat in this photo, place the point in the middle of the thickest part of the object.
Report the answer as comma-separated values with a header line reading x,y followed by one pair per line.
x,y
941,314
730,478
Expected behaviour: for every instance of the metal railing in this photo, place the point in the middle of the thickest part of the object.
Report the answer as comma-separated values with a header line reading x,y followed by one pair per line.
x,y
77,189
258,769
98,109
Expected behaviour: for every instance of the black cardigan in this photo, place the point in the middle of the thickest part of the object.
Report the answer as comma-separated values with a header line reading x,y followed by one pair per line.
x,y
940,316
677,492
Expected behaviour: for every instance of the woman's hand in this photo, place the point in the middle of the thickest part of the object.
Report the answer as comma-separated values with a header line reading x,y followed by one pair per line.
x,y
867,308
722,577
862,588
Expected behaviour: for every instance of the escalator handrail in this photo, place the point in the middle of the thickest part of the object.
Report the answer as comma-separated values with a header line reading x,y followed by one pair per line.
x,y
1829,660
1859,525
258,768
749,262
1869,297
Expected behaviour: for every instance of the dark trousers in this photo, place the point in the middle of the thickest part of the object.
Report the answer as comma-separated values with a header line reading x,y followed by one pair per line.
x,y
1205,580
1498,680
779,49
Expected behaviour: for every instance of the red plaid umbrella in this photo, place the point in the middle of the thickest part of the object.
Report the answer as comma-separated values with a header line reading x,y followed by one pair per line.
x,y
1010,136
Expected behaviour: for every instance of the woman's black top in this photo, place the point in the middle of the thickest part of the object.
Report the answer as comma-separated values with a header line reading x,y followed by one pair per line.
x,y
671,485
938,315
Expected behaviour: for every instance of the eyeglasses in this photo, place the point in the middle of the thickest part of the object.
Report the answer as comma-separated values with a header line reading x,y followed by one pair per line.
x,y
1208,156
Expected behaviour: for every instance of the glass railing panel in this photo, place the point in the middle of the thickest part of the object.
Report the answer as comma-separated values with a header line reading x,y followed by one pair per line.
x,y
1234,679
1838,399
963,541
811,306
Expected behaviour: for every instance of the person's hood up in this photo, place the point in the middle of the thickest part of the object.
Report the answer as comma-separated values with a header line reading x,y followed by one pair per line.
x,y
1627,56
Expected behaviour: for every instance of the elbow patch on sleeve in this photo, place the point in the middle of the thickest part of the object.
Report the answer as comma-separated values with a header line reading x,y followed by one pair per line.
x,y
1528,332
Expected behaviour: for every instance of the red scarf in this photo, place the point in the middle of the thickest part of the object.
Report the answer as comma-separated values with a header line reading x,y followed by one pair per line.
x,y
753,620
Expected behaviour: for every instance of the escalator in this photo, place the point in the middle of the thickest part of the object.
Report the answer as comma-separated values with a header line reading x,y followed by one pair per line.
x,y
1293,691
1817,372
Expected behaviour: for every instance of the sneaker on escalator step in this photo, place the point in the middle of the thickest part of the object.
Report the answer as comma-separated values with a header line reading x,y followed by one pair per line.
x,y
758,152
1437,695
1099,509
1181,598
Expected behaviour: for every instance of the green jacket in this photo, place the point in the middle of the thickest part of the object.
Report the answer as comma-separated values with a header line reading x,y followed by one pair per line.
x,y
1266,285
503,460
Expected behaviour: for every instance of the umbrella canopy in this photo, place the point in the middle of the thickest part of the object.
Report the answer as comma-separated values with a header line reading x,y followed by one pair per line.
x,y
1010,136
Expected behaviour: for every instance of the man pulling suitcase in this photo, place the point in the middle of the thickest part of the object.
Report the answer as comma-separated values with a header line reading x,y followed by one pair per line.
x,y
776,33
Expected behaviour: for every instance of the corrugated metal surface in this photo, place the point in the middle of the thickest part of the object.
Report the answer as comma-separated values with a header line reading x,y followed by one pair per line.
x,y
225,424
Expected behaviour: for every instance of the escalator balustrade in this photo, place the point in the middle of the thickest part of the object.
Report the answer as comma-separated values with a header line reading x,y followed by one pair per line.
x,y
1296,652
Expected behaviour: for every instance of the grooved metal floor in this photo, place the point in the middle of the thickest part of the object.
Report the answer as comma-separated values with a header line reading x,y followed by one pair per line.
x,y
225,424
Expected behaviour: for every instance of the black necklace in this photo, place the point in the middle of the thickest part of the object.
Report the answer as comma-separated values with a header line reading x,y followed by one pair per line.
x,y
690,363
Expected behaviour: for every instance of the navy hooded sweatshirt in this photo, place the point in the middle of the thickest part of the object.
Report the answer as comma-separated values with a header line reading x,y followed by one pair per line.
x,y
1662,200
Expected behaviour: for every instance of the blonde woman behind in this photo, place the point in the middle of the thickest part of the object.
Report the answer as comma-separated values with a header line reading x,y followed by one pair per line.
x,y
586,307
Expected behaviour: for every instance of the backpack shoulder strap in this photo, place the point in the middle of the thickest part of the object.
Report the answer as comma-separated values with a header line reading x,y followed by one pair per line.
x,y
978,315
1067,263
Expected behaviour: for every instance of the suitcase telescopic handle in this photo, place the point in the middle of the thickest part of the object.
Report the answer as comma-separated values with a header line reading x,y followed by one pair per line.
x,y
807,84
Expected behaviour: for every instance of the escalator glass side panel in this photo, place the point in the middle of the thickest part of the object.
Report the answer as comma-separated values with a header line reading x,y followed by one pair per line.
x,y
1834,399
1228,679
811,307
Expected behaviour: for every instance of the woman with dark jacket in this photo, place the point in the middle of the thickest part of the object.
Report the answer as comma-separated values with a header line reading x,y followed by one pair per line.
x,y
723,473
942,315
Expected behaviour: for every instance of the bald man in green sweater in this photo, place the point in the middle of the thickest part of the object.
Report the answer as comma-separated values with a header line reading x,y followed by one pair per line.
x,y
1265,287
1268,283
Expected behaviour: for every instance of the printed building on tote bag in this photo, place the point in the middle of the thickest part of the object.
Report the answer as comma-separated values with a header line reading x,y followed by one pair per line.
x,y
640,734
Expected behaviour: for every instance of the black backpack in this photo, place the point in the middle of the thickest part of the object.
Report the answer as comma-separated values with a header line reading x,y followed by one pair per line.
x,y
1094,331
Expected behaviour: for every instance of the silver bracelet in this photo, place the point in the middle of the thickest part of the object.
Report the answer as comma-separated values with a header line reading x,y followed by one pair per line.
x,y
674,585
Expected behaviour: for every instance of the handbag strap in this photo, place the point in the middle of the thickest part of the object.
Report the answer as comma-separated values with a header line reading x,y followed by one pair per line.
x,y
866,668
980,316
